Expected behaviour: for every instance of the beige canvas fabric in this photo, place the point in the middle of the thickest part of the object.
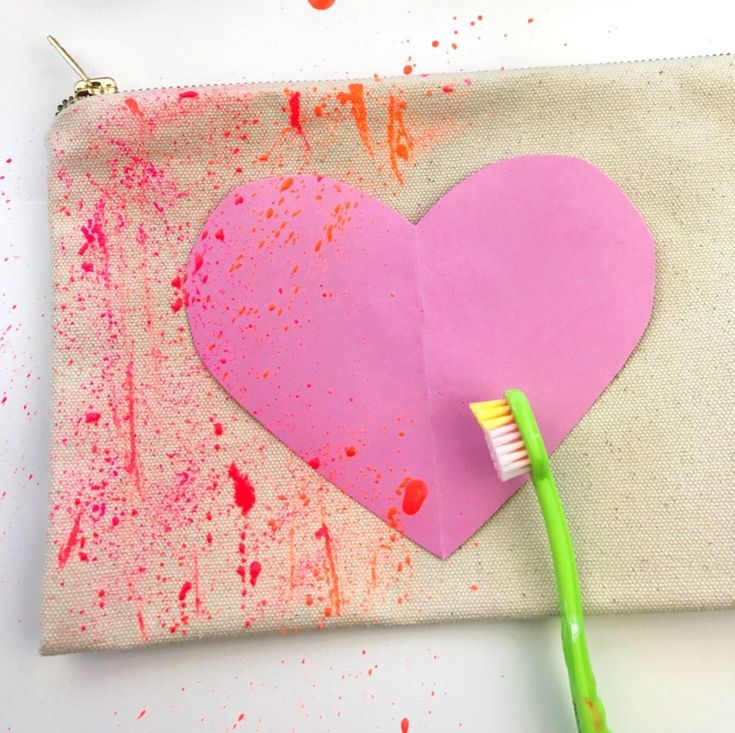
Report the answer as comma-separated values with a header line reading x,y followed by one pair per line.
x,y
145,542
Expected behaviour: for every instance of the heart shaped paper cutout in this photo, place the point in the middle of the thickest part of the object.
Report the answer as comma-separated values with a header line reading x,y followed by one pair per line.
x,y
358,338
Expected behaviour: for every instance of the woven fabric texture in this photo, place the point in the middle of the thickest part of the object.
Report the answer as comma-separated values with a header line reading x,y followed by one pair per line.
x,y
145,541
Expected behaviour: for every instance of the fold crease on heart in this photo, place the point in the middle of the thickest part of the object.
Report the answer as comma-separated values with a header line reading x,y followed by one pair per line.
x,y
358,338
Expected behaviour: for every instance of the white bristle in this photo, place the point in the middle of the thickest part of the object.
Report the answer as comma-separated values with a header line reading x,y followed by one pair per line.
x,y
508,451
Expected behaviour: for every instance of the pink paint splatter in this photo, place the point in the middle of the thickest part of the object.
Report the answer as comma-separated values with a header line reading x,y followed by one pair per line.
x,y
141,714
255,568
133,466
185,588
188,95
244,490
141,626
65,551
92,417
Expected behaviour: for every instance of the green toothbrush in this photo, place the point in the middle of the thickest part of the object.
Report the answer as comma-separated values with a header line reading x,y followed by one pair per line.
x,y
517,447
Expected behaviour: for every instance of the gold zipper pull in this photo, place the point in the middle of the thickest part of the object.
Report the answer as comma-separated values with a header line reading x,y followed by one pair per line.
x,y
86,86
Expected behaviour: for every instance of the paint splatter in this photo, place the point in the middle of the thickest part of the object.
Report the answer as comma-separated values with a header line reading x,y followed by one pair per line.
x,y
185,588
141,626
335,594
321,4
244,490
133,465
408,69
400,142
294,115
141,714
355,96
134,107
188,95
414,496
92,417
255,569
350,451
65,551
404,725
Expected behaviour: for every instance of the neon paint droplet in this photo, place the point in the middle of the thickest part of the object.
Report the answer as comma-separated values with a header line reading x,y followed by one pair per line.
x,y
414,496
404,725
321,4
184,590
244,491
407,69
350,451
255,568
134,107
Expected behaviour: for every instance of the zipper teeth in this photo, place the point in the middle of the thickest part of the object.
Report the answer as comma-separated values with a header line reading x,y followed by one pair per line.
x,y
619,62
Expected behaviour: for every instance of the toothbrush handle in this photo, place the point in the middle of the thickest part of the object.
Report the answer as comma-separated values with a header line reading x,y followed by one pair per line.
x,y
588,708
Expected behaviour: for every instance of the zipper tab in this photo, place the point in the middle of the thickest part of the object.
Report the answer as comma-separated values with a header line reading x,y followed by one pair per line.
x,y
86,86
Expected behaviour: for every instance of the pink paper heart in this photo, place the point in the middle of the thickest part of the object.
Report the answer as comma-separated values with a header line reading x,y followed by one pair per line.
x,y
358,338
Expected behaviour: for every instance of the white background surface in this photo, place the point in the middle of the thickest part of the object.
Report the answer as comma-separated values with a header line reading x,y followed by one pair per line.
x,y
672,673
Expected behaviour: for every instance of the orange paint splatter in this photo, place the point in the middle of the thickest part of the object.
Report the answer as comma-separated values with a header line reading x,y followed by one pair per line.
x,y
356,99
447,89
400,142
134,107
407,69
335,595
321,4
391,517
530,20
404,725
435,43
65,551
414,496
596,716
350,451
286,184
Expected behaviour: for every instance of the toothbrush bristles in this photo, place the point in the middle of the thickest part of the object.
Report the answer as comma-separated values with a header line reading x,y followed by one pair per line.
x,y
503,438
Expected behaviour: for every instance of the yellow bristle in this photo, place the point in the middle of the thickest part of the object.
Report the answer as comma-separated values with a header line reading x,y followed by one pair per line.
x,y
492,414
497,422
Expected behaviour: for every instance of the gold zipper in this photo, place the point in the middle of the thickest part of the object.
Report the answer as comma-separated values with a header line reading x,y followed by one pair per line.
x,y
87,86
93,86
